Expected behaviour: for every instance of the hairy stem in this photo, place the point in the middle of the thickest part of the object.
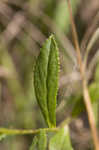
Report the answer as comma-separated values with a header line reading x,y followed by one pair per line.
x,y
22,132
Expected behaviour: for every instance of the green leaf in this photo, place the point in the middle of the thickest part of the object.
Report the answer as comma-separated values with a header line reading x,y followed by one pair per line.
x,y
39,141
61,141
34,143
42,140
46,80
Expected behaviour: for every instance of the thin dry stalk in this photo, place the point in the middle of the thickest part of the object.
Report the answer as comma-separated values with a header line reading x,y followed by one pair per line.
x,y
92,41
87,99
89,32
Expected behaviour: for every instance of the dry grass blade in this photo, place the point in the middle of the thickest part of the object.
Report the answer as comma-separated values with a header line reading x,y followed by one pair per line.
x,y
92,41
89,32
87,99
14,27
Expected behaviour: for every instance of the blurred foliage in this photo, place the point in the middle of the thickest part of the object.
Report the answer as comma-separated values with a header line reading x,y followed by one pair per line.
x,y
61,14
61,140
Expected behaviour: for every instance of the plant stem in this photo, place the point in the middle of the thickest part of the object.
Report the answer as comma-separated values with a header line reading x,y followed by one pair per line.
x,y
24,131
31,131
87,99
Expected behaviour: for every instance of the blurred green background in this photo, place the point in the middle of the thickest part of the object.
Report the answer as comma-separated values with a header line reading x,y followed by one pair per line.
x,y
24,26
